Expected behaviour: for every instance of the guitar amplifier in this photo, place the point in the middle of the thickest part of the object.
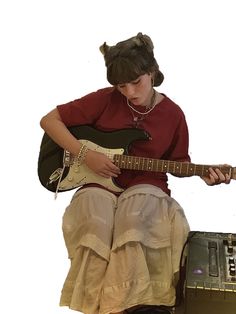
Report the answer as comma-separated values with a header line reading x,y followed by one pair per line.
x,y
210,286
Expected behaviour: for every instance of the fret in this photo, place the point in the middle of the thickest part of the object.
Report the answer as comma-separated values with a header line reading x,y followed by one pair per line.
x,y
173,166
170,166
202,171
174,169
150,165
191,169
129,162
198,170
187,166
177,167
161,162
120,161
162,165
205,171
165,165
155,164
142,164
183,168
123,163
146,164
136,161
139,163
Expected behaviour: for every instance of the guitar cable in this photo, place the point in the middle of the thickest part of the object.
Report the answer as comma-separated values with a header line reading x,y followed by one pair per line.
x,y
182,273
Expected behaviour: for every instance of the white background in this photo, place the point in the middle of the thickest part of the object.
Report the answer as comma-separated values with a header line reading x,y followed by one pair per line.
x,y
49,55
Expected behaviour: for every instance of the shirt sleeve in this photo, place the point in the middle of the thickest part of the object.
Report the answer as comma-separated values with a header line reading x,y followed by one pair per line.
x,y
179,147
85,110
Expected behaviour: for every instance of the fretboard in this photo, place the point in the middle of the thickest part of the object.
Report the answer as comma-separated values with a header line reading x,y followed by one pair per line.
x,y
157,165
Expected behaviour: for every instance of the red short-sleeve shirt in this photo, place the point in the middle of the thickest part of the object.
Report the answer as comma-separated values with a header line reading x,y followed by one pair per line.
x,y
107,110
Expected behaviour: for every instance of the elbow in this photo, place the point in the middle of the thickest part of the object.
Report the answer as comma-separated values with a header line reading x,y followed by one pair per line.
x,y
46,122
49,119
43,122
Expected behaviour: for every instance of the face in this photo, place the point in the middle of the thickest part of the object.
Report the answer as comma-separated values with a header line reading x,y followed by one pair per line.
x,y
139,91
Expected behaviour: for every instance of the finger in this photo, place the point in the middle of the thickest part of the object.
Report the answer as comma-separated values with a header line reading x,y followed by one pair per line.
x,y
221,176
104,175
213,179
213,175
108,174
208,180
114,168
228,178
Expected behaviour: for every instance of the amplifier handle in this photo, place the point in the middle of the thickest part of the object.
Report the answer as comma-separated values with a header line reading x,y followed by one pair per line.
x,y
213,260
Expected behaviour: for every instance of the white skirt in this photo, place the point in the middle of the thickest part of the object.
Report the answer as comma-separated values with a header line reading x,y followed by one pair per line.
x,y
124,251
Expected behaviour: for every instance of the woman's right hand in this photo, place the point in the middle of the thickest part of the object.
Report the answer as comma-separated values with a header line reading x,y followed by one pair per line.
x,y
101,164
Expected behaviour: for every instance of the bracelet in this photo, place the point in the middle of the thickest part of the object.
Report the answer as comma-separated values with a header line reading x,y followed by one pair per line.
x,y
82,154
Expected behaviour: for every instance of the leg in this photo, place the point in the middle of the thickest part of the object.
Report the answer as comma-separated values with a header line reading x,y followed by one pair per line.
x,y
141,266
87,228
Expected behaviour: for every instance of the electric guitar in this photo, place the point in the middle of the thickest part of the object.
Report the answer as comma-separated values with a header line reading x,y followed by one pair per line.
x,y
58,170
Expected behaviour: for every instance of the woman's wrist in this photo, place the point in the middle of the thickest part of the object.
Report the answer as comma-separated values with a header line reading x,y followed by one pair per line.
x,y
82,154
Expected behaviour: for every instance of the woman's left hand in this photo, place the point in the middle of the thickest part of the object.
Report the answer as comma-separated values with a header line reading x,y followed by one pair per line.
x,y
216,177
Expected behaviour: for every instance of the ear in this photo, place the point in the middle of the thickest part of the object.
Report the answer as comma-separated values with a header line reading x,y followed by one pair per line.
x,y
104,48
152,78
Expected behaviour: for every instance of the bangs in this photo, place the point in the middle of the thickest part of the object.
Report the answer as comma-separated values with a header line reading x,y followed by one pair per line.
x,y
122,71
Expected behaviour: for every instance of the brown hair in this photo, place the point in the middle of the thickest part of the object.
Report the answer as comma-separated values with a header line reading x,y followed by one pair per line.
x,y
129,59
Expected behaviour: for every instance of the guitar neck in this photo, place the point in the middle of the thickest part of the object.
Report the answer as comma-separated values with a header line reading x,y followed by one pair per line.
x,y
175,167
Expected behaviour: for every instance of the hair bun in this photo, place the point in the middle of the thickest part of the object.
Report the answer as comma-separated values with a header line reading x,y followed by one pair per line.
x,y
144,40
104,48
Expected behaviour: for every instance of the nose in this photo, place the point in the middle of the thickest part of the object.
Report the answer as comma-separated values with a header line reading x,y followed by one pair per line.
x,y
129,90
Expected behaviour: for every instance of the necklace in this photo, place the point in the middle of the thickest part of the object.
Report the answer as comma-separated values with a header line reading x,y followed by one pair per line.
x,y
138,119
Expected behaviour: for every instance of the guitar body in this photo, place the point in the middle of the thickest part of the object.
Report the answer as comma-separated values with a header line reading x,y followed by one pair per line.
x,y
51,157
58,170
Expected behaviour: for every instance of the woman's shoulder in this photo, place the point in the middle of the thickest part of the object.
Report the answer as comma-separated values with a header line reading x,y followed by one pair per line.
x,y
104,94
106,91
169,105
